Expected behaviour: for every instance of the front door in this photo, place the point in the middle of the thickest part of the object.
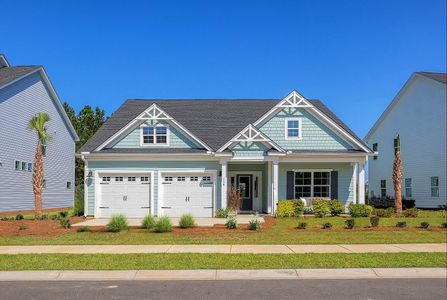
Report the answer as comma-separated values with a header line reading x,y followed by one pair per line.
x,y
244,184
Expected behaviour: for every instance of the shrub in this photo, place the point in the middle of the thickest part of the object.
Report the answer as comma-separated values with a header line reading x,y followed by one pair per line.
x,y
411,213
223,213
78,207
302,225
43,217
425,225
231,223
65,223
320,208
23,227
148,222
444,225
290,208
374,220
187,221
254,225
19,217
327,225
63,214
83,229
359,210
382,213
54,217
117,223
163,225
350,223
401,224
336,207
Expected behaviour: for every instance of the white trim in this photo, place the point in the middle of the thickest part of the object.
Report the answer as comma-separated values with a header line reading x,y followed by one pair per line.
x,y
253,175
361,184
286,129
117,171
155,144
354,182
269,188
224,184
3,61
275,185
151,113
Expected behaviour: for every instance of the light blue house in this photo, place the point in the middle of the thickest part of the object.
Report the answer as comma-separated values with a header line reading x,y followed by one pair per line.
x,y
170,157
25,91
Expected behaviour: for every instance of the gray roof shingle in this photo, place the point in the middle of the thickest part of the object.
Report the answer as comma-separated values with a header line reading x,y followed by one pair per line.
x,y
214,121
441,77
9,74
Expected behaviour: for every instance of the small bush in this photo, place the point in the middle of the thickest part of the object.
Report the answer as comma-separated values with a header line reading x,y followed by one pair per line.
x,y
43,217
254,225
223,213
374,220
117,223
290,208
336,207
444,225
401,224
55,217
65,223
411,213
302,225
187,221
83,229
350,223
163,225
231,223
63,214
320,208
360,210
23,227
19,217
148,222
382,213
327,225
425,225
78,207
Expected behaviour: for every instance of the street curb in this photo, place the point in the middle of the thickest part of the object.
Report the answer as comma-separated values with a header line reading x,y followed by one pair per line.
x,y
268,274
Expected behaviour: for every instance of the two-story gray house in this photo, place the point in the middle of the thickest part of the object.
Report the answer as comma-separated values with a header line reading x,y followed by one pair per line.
x,y
25,91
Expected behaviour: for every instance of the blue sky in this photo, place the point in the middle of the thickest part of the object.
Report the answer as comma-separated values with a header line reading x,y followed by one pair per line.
x,y
353,55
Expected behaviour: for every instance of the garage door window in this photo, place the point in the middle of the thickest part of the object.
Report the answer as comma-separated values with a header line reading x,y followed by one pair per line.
x,y
131,178
194,178
119,178
206,178
106,179
168,178
180,178
144,179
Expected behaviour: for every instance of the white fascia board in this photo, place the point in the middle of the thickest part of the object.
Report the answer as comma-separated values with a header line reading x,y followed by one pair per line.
x,y
4,61
151,157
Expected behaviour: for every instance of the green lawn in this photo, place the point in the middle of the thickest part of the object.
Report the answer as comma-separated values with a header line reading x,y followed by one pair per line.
x,y
283,232
217,261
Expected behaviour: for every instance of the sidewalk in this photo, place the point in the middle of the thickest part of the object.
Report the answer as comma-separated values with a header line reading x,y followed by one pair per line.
x,y
274,249
365,273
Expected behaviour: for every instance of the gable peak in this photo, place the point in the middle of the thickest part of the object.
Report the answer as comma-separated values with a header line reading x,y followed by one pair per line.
x,y
294,100
153,113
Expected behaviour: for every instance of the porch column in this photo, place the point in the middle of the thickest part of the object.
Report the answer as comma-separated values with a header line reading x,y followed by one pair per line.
x,y
361,191
269,188
275,185
224,189
354,182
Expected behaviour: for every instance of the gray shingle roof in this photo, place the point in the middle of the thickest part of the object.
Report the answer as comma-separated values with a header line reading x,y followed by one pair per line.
x,y
441,77
9,74
214,121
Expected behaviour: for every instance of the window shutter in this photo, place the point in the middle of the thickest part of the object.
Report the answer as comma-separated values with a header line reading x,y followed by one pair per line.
x,y
290,185
334,185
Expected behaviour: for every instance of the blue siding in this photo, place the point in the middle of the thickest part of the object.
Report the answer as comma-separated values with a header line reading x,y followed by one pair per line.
x,y
18,103
315,135
249,149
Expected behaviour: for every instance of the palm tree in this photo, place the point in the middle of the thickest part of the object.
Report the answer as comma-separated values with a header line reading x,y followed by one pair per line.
x,y
38,123
397,176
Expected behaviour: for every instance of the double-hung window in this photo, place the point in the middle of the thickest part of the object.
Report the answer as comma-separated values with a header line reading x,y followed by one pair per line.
x,y
434,186
375,149
154,135
293,129
314,184
383,188
408,188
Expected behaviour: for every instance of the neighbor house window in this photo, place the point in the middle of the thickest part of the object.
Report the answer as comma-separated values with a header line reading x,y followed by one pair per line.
x,y
408,188
154,135
43,145
17,165
293,129
24,166
44,183
383,188
68,185
30,167
312,184
435,186
375,149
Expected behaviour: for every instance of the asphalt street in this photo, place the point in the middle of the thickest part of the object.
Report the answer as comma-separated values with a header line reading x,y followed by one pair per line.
x,y
234,289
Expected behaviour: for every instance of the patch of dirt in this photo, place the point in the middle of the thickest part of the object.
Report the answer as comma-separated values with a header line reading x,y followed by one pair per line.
x,y
380,228
31,212
33,227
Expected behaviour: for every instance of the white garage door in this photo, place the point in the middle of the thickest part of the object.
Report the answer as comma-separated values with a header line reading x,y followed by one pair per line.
x,y
187,194
126,194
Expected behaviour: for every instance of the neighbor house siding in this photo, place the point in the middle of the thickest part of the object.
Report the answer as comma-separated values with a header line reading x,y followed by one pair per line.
x,y
18,103
420,119
315,135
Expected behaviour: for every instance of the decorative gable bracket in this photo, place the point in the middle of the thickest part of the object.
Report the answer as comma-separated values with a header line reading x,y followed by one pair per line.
x,y
294,100
153,113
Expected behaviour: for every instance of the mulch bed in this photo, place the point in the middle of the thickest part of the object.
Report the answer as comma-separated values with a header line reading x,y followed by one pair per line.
x,y
33,227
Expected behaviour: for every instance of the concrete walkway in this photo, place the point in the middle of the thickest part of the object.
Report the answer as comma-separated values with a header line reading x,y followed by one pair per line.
x,y
365,273
201,222
282,249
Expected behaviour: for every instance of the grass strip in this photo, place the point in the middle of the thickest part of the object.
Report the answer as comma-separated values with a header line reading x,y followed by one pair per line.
x,y
181,261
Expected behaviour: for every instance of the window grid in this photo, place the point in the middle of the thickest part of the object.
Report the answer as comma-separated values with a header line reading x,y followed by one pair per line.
x,y
144,178
313,184
383,188
106,178
154,135
131,178
194,178
168,178
408,188
181,178
119,178
434,180
293,128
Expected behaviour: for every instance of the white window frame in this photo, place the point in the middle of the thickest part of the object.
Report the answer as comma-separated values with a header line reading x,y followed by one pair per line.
x,y
155,144
383,189
312,171
286,129
434,187
68,185
408,187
